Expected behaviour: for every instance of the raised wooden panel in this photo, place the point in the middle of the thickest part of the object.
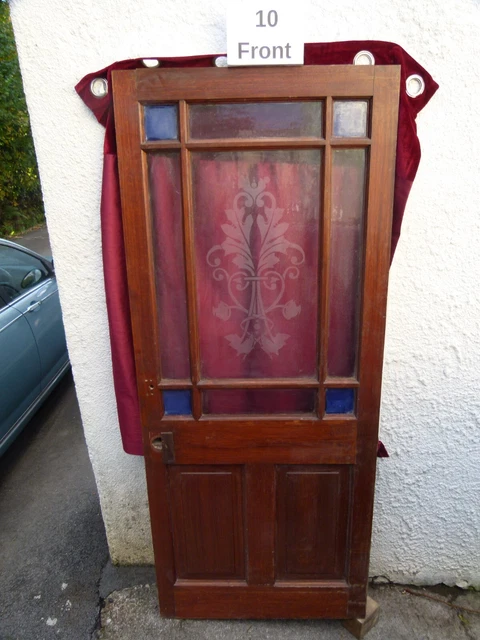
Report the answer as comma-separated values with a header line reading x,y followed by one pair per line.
x,y
208,522
312,522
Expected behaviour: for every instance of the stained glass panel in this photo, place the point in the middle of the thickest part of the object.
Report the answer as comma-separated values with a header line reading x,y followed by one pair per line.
x,y
232,401
256,120
339,400
161,122
348,189
350,118
256,219
177,402
166,208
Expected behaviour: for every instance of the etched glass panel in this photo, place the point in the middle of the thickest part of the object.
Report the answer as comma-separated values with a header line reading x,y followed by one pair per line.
x,y
161,122
177,402
348,203
166,209
350,118
234,401
339,400
256,219
256,120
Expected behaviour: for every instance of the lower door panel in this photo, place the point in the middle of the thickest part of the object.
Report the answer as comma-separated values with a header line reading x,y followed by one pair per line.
x,y
260,541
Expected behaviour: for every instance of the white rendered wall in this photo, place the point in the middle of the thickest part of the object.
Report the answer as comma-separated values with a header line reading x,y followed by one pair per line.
x,y
427,522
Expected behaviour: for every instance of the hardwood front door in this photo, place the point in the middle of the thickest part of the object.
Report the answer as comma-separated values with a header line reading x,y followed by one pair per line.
x,y
257,219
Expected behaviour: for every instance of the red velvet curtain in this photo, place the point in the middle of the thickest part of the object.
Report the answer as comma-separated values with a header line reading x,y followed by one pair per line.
x,y
408,157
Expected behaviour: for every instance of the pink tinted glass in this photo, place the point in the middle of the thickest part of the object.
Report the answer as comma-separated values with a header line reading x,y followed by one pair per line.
x,y
256,120
166,208
231,401
348,202
256,217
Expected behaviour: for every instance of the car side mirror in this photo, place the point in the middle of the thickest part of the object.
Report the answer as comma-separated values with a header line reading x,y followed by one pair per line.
x,y
31,278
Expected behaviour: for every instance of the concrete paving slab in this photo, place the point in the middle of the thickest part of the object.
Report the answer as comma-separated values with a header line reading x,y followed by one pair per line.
x,y
115,578
132,613
470,621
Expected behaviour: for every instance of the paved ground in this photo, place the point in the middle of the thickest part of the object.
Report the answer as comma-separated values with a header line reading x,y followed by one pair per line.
x,y
132,614
52,539
36,240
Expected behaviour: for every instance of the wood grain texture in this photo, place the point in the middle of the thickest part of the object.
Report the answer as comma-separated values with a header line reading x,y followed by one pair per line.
x,y
325,234
140,270
233,144
372,330
255,383
261,602
257,442
259,516
208,521
236,83
311,541
191,278
260,506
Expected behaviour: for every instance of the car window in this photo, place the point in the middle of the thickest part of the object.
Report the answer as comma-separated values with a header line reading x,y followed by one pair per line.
x,y
3,301
19,271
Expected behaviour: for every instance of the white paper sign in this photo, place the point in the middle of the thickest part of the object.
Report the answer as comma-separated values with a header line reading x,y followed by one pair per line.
x,y
264,33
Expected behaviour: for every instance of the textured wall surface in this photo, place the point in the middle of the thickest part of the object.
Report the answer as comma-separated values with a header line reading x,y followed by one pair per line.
x,y
427,521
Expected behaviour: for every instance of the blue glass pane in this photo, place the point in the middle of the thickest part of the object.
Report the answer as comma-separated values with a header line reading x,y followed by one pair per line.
x,y
161,122
177,403
340,400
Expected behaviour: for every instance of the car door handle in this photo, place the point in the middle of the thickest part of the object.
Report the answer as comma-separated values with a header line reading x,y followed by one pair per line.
x,y
34,306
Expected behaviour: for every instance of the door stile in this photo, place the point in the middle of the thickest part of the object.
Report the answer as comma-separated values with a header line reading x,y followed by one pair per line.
x,y
140,264
139,251
325,256
376,265
190,271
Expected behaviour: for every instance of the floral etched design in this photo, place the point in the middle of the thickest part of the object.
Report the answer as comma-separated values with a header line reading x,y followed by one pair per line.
x,y
263,258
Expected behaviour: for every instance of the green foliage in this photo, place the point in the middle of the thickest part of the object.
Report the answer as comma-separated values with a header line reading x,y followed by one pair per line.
x,y
21,204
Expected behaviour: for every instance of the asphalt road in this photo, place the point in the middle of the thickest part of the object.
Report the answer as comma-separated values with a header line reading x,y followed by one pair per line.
x,y
36,240
53,547
52,539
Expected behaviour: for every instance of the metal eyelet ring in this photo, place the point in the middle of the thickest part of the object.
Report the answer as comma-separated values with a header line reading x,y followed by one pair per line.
x,y
221,61
99,87
364,58
415,85
151,63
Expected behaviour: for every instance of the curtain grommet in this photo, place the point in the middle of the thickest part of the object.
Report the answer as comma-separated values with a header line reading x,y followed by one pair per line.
x,y
99,87
414,85
151,63
221,61
364,58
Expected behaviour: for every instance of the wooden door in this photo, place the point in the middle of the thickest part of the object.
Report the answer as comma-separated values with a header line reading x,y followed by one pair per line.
x,y
257,218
